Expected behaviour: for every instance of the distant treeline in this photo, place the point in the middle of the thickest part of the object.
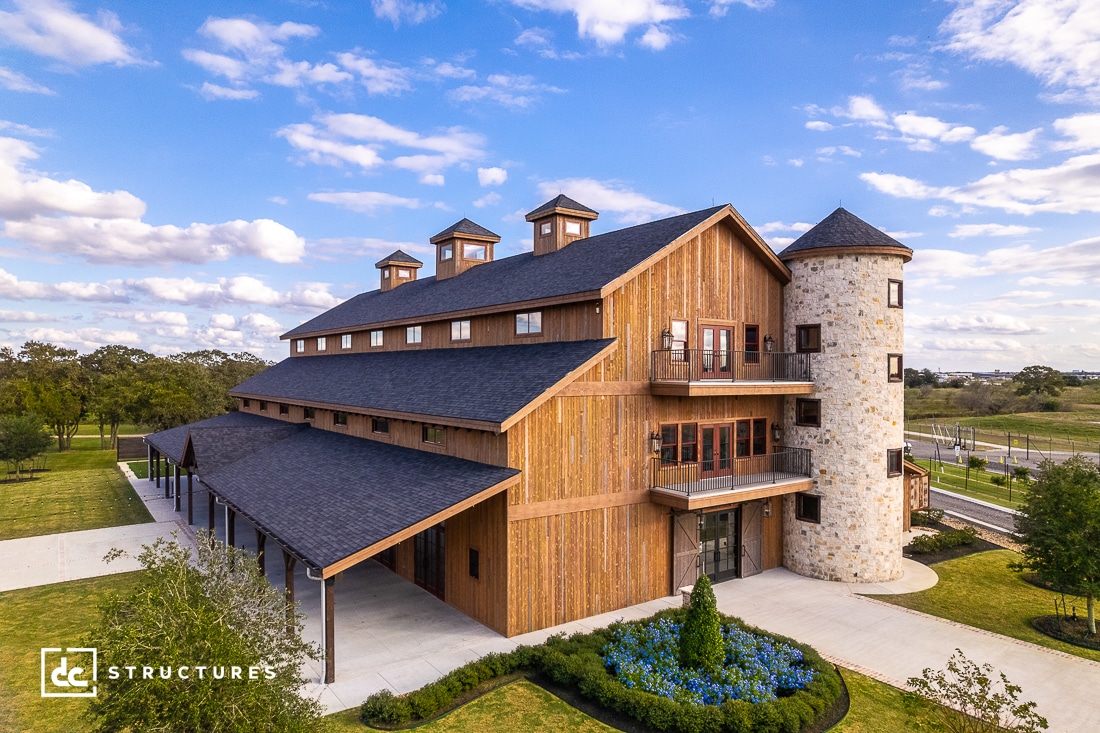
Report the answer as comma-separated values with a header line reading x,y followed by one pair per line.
x,y
118,384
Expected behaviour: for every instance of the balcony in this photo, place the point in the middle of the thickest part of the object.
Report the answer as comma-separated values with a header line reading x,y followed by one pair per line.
x,y
702,484
704,372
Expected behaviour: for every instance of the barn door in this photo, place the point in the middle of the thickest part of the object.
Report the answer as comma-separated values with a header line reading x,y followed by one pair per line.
x,y
685,550
752,539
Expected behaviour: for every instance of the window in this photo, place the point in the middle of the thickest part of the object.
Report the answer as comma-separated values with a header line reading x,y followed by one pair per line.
x,y
402,272
807,413
893,298
688,443
340,418
527,323
759,436
380,425
742,439
385,273
573,228
321,343
669,444
375,339
446,252
284,409
894,370
300,345
546,228
307,413
679,340
752,344
434,435
263,406
807,508
412,335
345,341
473,251
893,462
475,564
808,338
460,330
246,402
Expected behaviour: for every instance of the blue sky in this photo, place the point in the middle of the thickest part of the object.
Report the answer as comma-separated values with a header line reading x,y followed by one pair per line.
x,y
177,176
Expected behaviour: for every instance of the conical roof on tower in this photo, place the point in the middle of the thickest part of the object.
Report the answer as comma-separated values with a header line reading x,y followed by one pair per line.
x,y
845,233
399,257
562,203
466,227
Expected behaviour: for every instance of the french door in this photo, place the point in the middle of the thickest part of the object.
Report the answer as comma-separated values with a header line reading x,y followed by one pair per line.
x,y
718,541
716,450
430,560
716,352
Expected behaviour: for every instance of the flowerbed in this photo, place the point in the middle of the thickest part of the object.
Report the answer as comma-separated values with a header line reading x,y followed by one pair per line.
x,y
756,669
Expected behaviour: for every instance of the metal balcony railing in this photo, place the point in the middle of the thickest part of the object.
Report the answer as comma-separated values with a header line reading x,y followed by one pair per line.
x,y
701,365
696,477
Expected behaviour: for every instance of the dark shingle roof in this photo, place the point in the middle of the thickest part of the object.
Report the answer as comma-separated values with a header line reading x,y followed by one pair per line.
x,y
584,266
399,257
842,229
325,496
214,448
485,383
173,442
464,226
563,202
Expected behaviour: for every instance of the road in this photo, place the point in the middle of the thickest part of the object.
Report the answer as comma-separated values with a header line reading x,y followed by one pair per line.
x,y
1001,519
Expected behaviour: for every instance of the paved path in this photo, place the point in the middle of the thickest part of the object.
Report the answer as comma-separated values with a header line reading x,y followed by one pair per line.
x,y
991,515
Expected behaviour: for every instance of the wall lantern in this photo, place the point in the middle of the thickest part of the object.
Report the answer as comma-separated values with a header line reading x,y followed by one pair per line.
x,y
666,340
769,343
777,432
767,507
654,443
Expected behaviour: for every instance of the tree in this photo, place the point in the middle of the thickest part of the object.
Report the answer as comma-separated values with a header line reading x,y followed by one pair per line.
x,y
1039,380
22,438
111,372
1059,527
212,612
701,643
51,383
969,700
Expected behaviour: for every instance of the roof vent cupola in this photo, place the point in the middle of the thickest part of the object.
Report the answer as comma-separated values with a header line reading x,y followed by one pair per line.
x,y
397,269
559,222
461,246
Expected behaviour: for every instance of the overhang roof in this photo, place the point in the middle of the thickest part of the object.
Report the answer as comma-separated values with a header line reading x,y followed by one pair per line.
x,y
484,387
173,443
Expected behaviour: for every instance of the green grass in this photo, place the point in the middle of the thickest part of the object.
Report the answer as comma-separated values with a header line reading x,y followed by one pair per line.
x,y
952,477
124,429
83,489
140,468
979,590
878,707
55,616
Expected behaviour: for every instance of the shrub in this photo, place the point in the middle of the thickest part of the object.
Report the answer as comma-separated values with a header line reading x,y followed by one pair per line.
x,y
998,480
701,643
925,517
926,544
977,463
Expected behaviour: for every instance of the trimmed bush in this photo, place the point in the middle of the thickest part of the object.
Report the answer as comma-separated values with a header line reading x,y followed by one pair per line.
x,y
926,544
925,517
701,643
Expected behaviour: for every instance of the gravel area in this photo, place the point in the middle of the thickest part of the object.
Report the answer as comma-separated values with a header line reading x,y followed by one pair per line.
x,y
986,534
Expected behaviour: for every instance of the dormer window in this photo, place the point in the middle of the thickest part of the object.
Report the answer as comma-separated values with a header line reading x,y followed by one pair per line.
x,y
300,345
528,323
376,339
473,251
573,228
446,252
321,341
413,334
345,341
460,330
546,229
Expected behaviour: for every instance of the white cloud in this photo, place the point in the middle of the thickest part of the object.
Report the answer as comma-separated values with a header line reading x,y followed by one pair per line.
x,y
433,179
490,199
278,200
491,176
295,74
86,339
842,149
16,82
54,29
242,290
983,323
863,109
319,146
978,344
796,162
1057,41
28,316
780,226
657,38
165,318
378,77
366,202
1000,144
262,324
819,125
447,70
1083,131
607,23
507,90
1066,265
223,321
718,8
964,231
15,289
920,126
397,11
340,249
217,91
915,77
609,196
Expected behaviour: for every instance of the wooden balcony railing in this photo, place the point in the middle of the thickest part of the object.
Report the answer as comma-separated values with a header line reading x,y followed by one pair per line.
x,y
701,365
696,477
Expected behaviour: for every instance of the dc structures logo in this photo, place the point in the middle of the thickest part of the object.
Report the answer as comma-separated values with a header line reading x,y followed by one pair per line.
x,y
70,672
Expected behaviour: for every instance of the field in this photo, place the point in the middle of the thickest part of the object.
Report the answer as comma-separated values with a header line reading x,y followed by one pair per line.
x,y
975,484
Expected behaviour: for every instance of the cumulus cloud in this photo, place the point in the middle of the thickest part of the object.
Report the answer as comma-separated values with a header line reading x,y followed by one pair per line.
x,y
241,290
609,196
508,90
719,8
365,202
983,323
977,344
14,288
491,176
52,28
433,179
863,109
1071,264
165,318
657,38
217,91
344,249
379,77
490,199
15,81
7,316
1082,131
1000,144
447,70
965,231
819,125
399,11
607,23
84,339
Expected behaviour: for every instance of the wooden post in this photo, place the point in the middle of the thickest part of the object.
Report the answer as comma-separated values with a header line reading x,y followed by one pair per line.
x,y
190,498
158,469
210,510
329,621
167,478
288,574
149,469
261,540
230,526
176,484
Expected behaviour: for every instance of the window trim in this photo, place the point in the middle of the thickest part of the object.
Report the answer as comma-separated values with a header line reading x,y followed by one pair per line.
x,y
336,414
263,405
460,323
529,316
483,248
418,331
576,224
309,414
446,252
377,424
284,408
380,341
404,272
895,457
799,402
345,341
890,303
428,431
806,328
898,376
385,273
546,229
800,513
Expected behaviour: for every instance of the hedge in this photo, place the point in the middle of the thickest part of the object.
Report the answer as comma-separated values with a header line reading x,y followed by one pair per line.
x,y
927,543
576,662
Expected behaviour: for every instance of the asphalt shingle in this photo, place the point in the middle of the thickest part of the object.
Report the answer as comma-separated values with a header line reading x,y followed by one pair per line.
x,y
842,229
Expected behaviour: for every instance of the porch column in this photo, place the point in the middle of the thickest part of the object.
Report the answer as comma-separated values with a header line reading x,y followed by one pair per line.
x,y
288,572
190,498
328,599
176,484
158,468
149,469
261,540
167,478
210,511
230,526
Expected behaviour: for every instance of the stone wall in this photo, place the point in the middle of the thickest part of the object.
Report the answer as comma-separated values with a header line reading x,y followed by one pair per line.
x,y
859,538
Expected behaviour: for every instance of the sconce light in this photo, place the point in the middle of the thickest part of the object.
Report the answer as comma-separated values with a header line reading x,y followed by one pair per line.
x,y
654,443
777,432
769,343
767,508
666,340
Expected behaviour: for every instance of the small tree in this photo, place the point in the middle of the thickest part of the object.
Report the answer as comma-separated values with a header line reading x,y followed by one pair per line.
x,y
1039,380
1059,527
971,701
977,463
22,439
701,643
216,610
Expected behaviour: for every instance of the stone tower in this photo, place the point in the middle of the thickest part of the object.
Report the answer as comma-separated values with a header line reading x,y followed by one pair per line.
x,y
844,306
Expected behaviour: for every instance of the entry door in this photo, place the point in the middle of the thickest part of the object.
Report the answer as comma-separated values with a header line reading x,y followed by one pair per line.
x,y
719,545
752,538
685,550
716,352
430,559
716,450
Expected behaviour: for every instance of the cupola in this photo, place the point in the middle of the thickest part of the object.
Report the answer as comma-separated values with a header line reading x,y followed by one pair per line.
x,y
397,269
558,222
461,246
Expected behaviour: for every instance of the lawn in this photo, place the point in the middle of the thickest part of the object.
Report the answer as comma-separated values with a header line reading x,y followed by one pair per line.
x,y
140,468
878,707
83,489
979,590
124,429
952,477
50,615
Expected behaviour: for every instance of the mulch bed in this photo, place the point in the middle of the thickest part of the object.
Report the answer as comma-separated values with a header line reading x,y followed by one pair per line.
x,y
950,553
1070,630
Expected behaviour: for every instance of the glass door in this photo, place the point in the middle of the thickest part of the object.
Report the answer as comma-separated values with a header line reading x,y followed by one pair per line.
x,y
715,344
716,450
430,557
719,544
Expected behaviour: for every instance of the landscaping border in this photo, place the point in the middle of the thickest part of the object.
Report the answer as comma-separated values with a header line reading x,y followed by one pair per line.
x,y
1049,624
